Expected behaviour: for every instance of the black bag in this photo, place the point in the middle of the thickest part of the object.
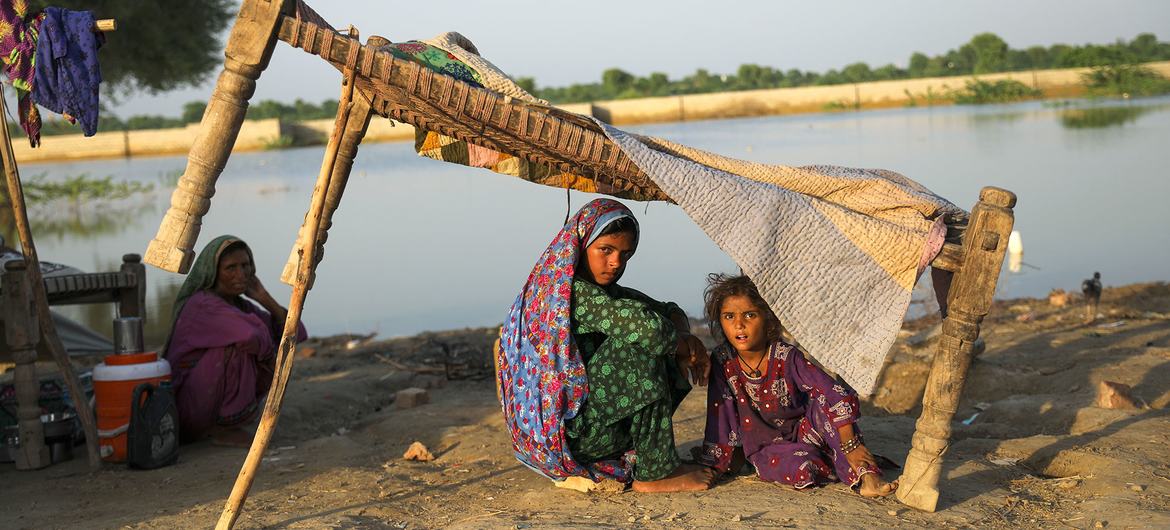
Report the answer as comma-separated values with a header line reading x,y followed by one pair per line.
x,y
153,438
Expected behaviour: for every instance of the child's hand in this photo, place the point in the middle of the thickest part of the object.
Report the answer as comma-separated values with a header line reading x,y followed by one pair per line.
x,y
861,457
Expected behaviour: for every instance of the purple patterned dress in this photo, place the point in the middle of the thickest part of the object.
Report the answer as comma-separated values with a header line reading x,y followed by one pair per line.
x,y
786,420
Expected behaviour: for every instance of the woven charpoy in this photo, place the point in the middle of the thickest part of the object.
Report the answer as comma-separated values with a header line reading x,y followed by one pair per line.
x,y
566,143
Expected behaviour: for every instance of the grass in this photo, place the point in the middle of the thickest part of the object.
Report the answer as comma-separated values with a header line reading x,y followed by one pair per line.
x,y
978,92
836,106
83,187
283,141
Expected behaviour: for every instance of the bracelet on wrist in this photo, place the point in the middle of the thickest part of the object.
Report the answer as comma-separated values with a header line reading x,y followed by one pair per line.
x,y
852,444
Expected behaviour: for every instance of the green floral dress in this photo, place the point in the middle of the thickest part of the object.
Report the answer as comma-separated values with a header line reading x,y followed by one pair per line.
x,y
627,341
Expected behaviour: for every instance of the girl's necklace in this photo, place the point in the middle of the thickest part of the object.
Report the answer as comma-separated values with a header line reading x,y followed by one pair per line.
x,y
755,371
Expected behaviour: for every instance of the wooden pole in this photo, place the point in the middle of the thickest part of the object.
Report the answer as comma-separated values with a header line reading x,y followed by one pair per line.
x,y
22,334
285,353
249,48
969,300
355,130
40,298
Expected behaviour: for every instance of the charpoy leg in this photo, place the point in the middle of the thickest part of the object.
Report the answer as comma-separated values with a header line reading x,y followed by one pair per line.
x,y
249,48
969,300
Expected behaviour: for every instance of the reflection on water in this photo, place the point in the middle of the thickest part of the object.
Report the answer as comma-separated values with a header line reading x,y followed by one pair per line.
x,y
419,244
86,222
1097,117
998,118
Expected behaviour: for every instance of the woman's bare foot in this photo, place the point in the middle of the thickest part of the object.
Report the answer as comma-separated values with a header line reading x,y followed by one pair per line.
x,y
872,486
686,478
232,437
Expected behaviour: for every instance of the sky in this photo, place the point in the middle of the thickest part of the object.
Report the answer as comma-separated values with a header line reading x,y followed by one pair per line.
x,y
560,43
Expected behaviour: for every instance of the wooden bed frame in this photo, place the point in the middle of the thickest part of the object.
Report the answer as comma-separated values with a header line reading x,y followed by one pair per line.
x,y
24,336
377,83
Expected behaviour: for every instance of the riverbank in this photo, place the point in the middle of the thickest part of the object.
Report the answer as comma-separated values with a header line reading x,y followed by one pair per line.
x,y
1031,447
256,135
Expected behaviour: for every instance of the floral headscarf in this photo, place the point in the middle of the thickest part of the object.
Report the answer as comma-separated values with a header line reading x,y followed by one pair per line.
x,y
541,373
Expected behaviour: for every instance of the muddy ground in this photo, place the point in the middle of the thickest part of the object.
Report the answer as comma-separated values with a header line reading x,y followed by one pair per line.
x,y
1040,453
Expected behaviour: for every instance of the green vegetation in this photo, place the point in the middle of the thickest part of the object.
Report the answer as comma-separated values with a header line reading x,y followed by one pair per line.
x,y
1125,80
283,141
1003,91
78,188
835,106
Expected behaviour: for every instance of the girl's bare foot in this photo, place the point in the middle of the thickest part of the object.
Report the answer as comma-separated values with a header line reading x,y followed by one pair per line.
x,y
686,478
873,486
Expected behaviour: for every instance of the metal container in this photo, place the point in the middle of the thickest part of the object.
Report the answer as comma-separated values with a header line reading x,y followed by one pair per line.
x,y
59,429
128,335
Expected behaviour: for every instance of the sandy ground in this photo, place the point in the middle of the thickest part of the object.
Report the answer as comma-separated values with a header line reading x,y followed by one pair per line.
x,y
1040,453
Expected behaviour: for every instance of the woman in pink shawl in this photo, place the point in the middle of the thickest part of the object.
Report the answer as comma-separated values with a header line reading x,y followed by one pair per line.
x,y
222,347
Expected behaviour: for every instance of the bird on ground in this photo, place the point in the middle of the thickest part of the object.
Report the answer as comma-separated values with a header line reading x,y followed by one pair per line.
x,y
1092,291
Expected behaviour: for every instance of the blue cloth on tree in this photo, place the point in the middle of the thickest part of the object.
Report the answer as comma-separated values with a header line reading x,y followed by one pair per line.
x,y
67,70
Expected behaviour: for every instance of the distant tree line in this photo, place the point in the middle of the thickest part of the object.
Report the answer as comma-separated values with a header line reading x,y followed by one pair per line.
x,y
984,53
299,110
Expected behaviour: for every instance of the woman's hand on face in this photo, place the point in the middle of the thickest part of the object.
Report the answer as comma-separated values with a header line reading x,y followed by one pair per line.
x,y
692,359
256,290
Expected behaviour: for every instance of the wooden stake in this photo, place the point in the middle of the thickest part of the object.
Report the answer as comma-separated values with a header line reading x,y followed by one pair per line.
x,y
969,299
285,354
350,140
103,25
40,299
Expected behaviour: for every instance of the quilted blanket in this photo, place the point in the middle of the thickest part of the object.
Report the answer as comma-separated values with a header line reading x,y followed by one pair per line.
x,y
835,251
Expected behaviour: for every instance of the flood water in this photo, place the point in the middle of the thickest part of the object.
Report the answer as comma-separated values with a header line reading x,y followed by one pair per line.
x,y
422,245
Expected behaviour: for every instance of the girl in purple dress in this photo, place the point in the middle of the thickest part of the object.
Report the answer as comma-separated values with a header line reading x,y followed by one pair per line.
x,y
770,405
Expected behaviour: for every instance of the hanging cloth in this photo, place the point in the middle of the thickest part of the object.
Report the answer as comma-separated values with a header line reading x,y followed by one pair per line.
x,y
68,75
18,45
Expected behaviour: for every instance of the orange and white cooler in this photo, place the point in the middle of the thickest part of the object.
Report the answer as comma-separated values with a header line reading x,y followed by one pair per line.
x,y
114,381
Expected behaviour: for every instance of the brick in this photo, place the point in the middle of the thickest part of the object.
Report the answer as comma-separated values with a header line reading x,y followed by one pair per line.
x,y
410,398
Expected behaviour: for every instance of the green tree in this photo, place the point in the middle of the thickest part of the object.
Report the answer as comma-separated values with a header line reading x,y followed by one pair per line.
x,y
1144,47
527,83
1039,57
658,84
989,53
159,46
616,80
919,62
857,73
193,111
888,72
